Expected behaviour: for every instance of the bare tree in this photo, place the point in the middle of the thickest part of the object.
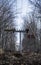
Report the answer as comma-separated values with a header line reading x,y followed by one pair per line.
x,y
6,21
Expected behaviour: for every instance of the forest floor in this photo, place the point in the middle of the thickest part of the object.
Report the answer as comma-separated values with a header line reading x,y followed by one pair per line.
x,y
31,58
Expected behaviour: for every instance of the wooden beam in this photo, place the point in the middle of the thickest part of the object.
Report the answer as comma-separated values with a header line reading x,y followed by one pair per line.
x,y
13,30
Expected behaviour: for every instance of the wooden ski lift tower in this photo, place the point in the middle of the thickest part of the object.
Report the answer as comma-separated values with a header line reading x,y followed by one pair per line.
x,y
20,31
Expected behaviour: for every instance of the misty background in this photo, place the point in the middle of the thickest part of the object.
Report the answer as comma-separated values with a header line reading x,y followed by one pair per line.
x,y
21,15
